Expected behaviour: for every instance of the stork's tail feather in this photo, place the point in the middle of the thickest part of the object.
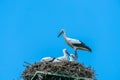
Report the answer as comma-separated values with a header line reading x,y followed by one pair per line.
x,y
82,46
88,48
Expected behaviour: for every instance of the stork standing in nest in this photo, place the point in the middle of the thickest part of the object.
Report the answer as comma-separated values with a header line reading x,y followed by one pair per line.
x,y
75,44
63,58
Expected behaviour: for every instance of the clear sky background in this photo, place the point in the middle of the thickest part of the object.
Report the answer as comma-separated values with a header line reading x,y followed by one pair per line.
x,y
29,29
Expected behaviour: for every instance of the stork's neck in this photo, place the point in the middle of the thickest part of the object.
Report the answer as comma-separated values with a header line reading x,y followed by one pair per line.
x,y
71,59
64,34
65,55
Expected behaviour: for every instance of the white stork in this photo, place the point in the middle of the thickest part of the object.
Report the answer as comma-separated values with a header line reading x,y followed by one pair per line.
x,y
63,58
72,58
75,44
47,59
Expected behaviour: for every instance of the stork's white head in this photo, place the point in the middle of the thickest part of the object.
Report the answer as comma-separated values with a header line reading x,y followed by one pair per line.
x,y
65,52
61,32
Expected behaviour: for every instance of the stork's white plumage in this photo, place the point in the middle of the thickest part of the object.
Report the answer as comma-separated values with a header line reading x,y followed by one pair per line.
x,y
63,58
47,59
72,58
74,43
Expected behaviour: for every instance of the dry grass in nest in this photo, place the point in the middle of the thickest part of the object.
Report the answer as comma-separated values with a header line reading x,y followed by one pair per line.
x,y
67,68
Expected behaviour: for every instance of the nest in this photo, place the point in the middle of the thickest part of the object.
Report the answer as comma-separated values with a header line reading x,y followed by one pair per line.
x,y
66,68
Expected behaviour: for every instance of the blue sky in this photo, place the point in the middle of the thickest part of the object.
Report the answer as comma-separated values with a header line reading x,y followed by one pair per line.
x,y
28,32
